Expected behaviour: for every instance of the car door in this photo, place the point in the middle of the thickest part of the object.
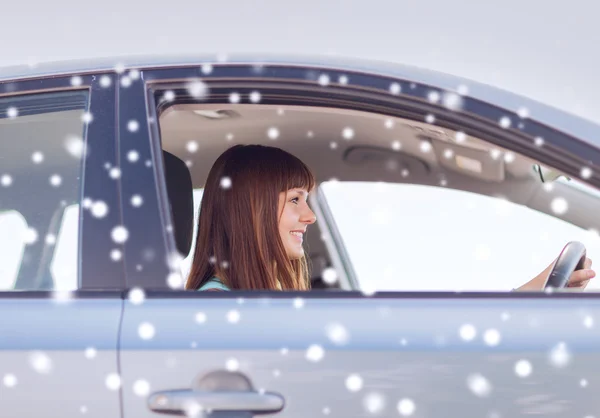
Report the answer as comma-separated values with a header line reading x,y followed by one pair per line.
x,y
343,353
61,272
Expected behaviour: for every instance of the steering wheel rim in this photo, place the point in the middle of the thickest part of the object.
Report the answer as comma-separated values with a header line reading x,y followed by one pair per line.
x,y
571,258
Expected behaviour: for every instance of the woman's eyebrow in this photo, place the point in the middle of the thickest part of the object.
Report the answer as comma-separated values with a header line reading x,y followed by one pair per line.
x,y
301,192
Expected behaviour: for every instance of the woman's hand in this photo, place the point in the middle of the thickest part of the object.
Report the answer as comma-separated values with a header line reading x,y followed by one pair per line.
x,y
578,280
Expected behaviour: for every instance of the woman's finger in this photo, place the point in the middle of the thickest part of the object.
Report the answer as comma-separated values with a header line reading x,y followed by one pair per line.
x,y
580,276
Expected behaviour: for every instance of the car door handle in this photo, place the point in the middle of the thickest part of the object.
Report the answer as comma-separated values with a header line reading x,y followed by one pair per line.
x,y
191,402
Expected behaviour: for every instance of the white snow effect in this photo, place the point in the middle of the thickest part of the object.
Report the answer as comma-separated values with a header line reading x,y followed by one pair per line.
x,y
284,351
200,317
232,364
50,239
119,234
586,172
337,333
198,89
125,81
37,157
460,137
12,112
425,146
324,80
87,117
133,126
233,316
9,380
326,411
539,141
298,303
134,74
343,80
229,136
255,97
192,146
396,145
169,96
559,205
99,209
559,355
448,153
583,383
523,112
83,409
280,112
333,145
467,332
430,118
276,373
40,362
225,183
479,385
6,180
146,331
348,133
206,68
175,280
406,407
433,96
389,123
55,180
141,387
105,81
329,275
113,381
114,173
119,68
75,146
588,321
315,353
492,337
374,403
90,353
452,101
495,153
76,81
505,122
509,157
523,368
235,97
505,316
133,156
116,255
136,296
395,88
354,382
136,200
273,133
30,236
463,90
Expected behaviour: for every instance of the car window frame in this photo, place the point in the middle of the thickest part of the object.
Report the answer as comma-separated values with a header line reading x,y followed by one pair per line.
x,y
96,270
368,92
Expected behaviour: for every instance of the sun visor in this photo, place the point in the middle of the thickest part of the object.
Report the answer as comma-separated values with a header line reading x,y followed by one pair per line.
x,y
377,158
469,161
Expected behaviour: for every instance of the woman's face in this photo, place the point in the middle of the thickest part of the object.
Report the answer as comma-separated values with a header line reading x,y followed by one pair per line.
x,y
295,218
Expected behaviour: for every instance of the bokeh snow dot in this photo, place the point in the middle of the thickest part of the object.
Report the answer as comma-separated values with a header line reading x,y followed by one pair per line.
x,y
55,180
225,183
406,407
491,337
37,157
90,353
298,303
395,88
559,205
12,112
273,133
479,385
354,383
133,126
374,403
232,364
40,362
523,368
560,355
116,255
146,331
175,280
200,317
467,332
136,200
99,209
113,381
430,118
337,333
329,275
255,97
141,387
235,97
6,180
505,122
233,316
9,380
348,133
315,353
136,296
586,172
197,89
119,234
133,156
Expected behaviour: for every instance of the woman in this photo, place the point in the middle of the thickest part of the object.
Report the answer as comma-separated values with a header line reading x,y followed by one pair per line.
x,y
253,216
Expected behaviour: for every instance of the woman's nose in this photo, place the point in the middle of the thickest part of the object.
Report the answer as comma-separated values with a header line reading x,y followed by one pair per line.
x,y
309,217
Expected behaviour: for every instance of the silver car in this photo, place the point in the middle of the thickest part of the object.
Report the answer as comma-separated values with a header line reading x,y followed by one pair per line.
x,y
437,196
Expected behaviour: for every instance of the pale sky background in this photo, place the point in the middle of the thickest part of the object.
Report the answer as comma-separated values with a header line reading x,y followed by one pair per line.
x,y
538,49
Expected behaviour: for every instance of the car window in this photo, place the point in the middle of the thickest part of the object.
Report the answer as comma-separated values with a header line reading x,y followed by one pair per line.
x,y
444,239
42,137
186,264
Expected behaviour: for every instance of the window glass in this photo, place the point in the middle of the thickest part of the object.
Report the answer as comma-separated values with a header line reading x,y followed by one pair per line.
x,y
444,239
43,144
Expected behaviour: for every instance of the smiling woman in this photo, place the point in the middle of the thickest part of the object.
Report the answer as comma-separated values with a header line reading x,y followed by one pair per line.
x,y
254,212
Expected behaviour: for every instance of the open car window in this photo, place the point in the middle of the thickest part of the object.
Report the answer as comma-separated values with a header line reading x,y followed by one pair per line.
x,y
406,237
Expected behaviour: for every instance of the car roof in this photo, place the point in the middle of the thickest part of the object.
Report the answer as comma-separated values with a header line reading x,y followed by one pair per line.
x,y
550,116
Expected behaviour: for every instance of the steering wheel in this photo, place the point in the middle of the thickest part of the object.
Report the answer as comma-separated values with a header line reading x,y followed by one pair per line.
x,y
570,259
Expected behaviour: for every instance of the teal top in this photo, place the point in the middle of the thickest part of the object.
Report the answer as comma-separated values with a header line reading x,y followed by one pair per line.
x,y
214,283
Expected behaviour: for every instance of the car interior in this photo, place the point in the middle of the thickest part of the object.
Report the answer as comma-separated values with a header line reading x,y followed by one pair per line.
x,y
349,145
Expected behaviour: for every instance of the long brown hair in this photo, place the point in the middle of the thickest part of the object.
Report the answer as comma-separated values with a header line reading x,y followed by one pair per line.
x,y
238,227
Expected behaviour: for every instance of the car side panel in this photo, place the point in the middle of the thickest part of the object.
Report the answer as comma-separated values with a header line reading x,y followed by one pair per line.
x,y
56,354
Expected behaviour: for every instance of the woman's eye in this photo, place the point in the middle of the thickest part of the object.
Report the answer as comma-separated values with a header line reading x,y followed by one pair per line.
x,y
294,200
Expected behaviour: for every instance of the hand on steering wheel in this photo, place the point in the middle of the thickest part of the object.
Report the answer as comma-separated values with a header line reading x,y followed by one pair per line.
x,y
571,269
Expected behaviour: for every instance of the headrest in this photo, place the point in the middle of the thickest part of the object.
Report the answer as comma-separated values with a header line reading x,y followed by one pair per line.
x,y
181,200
